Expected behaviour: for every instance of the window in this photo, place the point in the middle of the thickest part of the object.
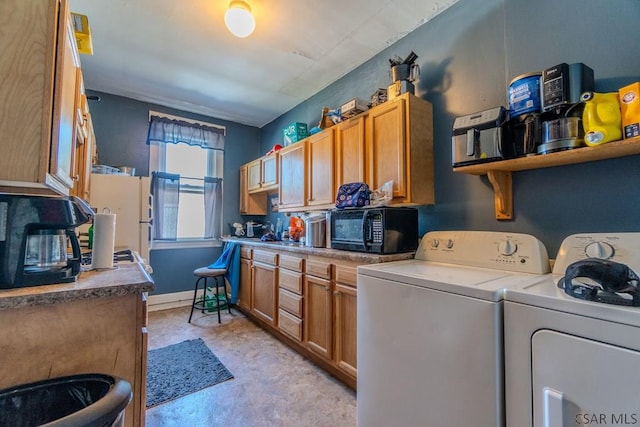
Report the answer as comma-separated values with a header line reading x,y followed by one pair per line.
x,y
194,167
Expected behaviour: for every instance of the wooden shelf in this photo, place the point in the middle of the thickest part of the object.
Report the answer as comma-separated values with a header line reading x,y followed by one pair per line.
x,y
499,172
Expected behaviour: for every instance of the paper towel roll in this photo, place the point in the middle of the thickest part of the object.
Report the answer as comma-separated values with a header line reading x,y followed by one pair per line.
x,y
104,236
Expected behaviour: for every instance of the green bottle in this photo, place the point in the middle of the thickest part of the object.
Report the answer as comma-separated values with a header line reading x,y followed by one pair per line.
x,y
91,236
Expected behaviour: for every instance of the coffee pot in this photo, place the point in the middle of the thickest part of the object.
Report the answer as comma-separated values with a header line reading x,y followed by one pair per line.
x,y
35,234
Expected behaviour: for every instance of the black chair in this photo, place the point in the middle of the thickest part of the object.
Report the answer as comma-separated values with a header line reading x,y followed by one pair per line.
x,y
217,272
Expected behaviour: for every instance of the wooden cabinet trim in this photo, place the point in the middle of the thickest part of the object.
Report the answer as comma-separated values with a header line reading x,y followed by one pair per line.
x,y
265,257
290,325
319,269
291,280
245,252
292,263
290,302
346,275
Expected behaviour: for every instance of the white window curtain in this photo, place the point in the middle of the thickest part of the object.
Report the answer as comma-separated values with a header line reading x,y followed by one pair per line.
x,y
212,207
165,189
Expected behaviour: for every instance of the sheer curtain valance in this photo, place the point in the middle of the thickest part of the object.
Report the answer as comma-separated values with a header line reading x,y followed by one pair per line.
x,y
163,129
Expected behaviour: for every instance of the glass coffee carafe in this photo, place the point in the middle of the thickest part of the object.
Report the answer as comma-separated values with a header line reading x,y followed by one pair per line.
x,y
46,250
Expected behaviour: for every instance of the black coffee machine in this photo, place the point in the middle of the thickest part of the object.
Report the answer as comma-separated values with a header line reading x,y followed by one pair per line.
x,y
35,232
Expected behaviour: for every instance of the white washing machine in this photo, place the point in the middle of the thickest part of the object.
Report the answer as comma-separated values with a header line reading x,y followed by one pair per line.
x,y
569,361
430,329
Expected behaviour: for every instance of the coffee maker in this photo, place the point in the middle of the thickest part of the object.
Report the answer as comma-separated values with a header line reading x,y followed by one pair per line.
x,y
35,232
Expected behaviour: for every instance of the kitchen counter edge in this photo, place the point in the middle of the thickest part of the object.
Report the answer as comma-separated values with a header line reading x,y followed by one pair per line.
x,y
361,257
125,279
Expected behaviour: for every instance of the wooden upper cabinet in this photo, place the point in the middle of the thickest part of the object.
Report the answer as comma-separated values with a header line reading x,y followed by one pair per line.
x,y
350,154
37,97
250,204
269,167
293,188
84,145
399,144
387,149
320,166
254,170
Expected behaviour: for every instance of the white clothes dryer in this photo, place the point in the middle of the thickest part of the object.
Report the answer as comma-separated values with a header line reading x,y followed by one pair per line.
x,y
430,329
570,361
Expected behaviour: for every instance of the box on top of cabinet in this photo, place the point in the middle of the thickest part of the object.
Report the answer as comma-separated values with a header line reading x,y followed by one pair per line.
x,y
82,32
353,107
294,133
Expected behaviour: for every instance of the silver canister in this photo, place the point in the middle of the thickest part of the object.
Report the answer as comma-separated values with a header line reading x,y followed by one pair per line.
x,y
315,231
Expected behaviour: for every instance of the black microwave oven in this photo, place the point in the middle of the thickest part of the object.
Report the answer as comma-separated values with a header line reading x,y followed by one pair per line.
x,y
381,230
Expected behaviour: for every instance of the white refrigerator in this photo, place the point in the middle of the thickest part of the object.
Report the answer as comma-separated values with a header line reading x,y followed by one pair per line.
x,y
129,198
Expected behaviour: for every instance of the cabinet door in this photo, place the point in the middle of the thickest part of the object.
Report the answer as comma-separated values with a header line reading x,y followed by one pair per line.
x,y
350,158
244,191
244,293
264,287
318,316
345,303
269,178
85,140
63,133
386,147
37,97
250,204
320,149
293,190
254,175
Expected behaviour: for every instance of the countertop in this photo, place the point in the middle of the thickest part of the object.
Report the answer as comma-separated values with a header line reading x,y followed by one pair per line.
x,y
125,279
295,247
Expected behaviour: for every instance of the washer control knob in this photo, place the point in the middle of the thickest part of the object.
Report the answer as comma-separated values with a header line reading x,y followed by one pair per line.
x,y
601,250
449,244
435,243
507,247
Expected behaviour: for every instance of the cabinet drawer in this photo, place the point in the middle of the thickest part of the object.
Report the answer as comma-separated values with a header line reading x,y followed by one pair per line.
x,y
245,252
319,269
346,275
290,302
265,257
291,280
290,325
292,263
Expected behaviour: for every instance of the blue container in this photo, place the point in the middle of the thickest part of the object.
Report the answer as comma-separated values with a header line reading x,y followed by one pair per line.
x,y
524,95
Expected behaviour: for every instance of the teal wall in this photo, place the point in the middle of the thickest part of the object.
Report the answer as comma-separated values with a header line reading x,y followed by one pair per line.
x,y
120,125
467,56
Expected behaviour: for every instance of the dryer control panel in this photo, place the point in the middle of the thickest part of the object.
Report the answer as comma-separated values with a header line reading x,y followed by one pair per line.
x,y
623,248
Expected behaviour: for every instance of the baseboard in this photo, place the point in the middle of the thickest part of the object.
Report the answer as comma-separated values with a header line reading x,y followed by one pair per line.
x,y
167,301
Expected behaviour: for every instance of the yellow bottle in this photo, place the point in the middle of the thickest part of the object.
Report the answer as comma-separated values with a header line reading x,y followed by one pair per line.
x,y
601,119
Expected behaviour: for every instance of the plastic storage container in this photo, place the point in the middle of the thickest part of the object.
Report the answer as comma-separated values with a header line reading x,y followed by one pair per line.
x,y
88,400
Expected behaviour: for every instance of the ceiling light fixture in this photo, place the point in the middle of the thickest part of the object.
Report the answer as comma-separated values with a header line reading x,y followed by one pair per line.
x,y
239,19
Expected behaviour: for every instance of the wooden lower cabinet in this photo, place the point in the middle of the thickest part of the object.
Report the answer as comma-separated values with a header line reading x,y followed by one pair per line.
x,y
318,319
345,301
264,290
312,307
101,335
244,292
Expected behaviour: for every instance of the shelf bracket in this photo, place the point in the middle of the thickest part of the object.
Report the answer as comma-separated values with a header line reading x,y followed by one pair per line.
x,y
502,192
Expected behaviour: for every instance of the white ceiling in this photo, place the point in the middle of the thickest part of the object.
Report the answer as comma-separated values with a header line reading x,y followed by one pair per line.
x,y
180,54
